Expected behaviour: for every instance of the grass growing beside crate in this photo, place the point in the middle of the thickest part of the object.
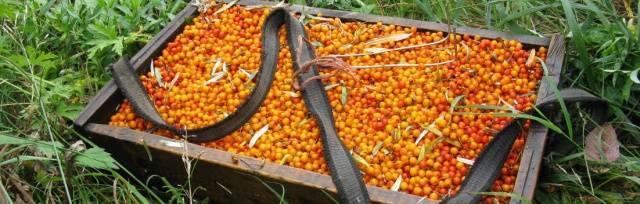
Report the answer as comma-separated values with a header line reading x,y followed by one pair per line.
x,y
53,54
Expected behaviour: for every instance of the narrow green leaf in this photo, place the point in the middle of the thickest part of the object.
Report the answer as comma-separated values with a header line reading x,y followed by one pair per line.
x,y
563,106
453,142
376,148
146,150
330,86
434,130
433,143
359,159
343,98
317,44
426,9
576,31
24,158
396,185
568,158
455,103
284,159
422,152
136,193
265,184
225,7
257,135
486,107
635,179
4,192
525,12
626,89
330,197
544,122
45,147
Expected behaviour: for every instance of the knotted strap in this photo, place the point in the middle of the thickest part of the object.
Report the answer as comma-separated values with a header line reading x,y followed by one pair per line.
x,y
487,165
344,172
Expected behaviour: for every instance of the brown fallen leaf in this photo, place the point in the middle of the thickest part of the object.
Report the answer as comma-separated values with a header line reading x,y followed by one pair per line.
x,y
602,144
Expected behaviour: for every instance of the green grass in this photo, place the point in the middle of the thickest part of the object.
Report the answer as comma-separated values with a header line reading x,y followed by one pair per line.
x,y
53,56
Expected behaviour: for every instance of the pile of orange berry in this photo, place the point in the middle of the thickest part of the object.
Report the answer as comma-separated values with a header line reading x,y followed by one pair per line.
x,y
419,127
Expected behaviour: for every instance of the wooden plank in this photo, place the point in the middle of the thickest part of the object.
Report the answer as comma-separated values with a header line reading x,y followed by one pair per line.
x,y
531,159
424,25
232,162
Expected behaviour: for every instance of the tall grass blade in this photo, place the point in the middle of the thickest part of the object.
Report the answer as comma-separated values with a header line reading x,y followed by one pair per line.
x,y
426,9
524,13
5,196
577,33
330,197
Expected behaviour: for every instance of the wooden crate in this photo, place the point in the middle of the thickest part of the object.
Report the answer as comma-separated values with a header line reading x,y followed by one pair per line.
x,y
228,178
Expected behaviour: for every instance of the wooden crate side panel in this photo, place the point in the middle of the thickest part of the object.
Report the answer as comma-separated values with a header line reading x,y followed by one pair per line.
x,y
129,145
425,25
531,160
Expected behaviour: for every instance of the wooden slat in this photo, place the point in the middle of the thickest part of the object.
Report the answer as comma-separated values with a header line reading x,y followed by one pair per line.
x,y
223,159
424,25
534,147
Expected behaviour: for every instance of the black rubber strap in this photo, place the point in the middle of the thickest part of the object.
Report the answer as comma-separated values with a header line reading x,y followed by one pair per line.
x,y
487,165
344,172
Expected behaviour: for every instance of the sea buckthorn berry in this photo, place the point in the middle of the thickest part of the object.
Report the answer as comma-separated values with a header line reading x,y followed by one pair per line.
x,y
381,117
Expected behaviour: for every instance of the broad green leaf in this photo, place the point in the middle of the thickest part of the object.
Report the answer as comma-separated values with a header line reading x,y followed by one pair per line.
x,y
96,157
70,111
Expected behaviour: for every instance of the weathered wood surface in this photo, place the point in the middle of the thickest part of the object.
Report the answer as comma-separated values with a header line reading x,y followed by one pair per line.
x,y
531,158
227,169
